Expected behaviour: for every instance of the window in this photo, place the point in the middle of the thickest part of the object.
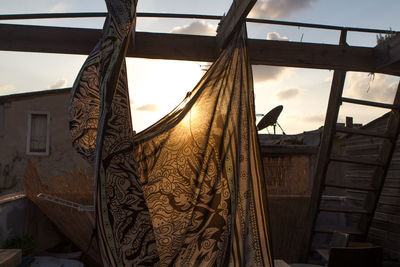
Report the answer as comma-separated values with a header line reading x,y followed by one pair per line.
x,y
38,141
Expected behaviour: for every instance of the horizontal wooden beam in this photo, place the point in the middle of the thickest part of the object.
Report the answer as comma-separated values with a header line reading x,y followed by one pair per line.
x,y
312,55
233,20
193,47
189,16
82,41
26,38
174,46
268,150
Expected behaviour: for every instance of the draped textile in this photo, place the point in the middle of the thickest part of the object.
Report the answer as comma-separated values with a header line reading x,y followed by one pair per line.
x,y
101,131
201,171
189,190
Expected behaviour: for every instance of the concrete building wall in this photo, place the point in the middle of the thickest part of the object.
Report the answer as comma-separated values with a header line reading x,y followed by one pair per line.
x,y
13,140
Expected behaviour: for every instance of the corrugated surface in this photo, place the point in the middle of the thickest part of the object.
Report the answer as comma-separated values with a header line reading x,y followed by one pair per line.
x,y
385,227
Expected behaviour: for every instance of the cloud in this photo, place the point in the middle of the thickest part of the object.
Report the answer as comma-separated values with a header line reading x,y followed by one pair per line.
x,y
148,107
266,73
314,118
288,93
303,121
272,9
199,27
276,36
58,8
61,83
375,88
7,89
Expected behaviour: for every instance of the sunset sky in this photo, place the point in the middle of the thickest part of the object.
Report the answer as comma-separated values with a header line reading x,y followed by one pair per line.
x,y
157,86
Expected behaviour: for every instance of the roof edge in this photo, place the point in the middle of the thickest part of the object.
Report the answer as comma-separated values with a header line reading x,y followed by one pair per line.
x,y
7,98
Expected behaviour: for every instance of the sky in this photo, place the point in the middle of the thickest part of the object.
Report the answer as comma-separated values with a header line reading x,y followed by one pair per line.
x,y
157,86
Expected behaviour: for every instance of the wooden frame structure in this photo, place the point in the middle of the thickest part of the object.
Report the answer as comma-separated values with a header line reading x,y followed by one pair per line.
x,y
384,58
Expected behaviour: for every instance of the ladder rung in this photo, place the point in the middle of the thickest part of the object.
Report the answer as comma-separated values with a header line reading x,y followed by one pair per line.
x,y
348,130
352,187
356,160
343,209
342,229
369,103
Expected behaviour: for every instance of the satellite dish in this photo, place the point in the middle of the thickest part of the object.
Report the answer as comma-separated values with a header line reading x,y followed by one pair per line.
x,y
271,119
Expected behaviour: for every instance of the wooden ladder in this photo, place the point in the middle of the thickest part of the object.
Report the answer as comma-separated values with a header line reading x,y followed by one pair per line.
x,y
379,168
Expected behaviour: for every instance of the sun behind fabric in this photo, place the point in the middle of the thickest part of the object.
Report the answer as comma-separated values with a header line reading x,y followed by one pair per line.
x,y
189,190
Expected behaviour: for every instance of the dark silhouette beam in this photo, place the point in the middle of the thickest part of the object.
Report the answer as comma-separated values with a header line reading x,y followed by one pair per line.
x,y
196,48
233,20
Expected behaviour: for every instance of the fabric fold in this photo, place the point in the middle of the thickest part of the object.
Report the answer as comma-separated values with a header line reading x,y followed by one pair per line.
x,y
101,129
188,190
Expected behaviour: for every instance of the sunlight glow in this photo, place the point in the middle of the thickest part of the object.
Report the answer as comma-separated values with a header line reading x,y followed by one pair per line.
x,y
162,83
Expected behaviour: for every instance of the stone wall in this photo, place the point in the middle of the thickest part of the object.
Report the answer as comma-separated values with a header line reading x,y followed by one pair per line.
x,y
13,139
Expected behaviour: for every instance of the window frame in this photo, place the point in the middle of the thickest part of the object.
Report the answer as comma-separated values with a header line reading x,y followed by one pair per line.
x,y
28,138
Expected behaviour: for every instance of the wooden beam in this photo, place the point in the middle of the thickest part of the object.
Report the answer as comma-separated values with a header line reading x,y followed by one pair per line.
x,y
191,16
26,38
81,41
268,150
193,47
323,158
174,46
233,20
311,55
388,52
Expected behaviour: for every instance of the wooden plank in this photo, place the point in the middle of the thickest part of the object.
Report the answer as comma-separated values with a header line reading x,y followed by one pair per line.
x,y
304,55
357,148
82,41
356,160
342,229
191,47
233,20
190,16
369,103
391,192
391,240
174,46
323,156
386,153
287,149
353,186
385,225
392,181
357,131
47,39
343,209
394,219
390,200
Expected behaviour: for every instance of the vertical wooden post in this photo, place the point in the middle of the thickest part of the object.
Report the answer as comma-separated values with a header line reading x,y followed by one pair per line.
x,y
343,37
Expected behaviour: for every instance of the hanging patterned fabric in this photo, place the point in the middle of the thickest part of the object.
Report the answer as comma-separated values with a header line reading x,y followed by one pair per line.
x,y
189,190
101,130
